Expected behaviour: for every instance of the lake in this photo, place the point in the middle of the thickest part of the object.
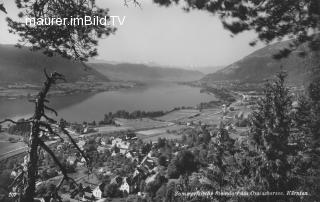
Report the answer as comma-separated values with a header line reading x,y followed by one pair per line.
x,y
89,106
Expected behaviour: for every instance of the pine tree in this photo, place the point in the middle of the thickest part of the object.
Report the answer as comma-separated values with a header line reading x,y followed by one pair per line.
x,y
307,120
225,168
271,132
25,182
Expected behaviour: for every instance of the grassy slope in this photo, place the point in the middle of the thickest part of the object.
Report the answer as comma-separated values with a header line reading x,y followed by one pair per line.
x,y
260,65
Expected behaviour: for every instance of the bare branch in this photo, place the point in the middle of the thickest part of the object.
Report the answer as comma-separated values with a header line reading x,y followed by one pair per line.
x,y
46,74
48,118
75,144
52,110
60,183
50,130
55,159
57,76
18,178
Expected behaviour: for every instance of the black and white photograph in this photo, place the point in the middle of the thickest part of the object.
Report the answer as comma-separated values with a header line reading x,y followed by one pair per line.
x,y
159,101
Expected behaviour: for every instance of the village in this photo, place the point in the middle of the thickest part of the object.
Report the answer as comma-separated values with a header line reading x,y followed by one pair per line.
x,y
130,156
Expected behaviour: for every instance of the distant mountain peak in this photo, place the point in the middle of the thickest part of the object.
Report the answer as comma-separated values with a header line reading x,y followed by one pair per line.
x,y
143,72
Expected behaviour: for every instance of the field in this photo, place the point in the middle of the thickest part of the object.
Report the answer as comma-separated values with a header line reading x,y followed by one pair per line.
x,y
111,129
179,114
6,136
8,149
207,116
142,124
14,93
166,132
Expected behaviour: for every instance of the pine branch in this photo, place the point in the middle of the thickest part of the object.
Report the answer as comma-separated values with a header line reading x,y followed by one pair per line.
x,y
52,110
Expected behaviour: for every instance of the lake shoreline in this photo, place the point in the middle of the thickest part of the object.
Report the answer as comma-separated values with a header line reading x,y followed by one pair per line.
x,y
74,107
12,92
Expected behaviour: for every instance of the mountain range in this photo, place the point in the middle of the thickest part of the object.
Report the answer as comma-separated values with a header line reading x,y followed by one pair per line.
x,y
145,73
20,65
261,65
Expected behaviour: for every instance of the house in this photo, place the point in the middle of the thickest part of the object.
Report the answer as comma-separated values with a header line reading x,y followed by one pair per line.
x,y
88,129
135,173
102,200
38,200
125,186
122,145
71,160
129,155
81,143
151,178
104,171
224,108
114,153
70,131
38,183
131,136
116,180
116,142
150,154
59,147
105,141
82,162
101,149
14,174
101,170
123,150
86,194
97,192
148,163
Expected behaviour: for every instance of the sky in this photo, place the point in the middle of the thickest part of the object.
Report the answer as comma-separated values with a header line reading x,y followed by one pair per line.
x,y
160,35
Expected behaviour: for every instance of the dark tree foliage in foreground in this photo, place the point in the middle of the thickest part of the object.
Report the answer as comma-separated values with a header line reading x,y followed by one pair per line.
x,y
270,19
286,154
25,182
70,41
271,133
226,172
307,121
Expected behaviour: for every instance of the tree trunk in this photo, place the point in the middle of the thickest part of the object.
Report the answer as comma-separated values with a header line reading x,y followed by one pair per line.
x,y
29,191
